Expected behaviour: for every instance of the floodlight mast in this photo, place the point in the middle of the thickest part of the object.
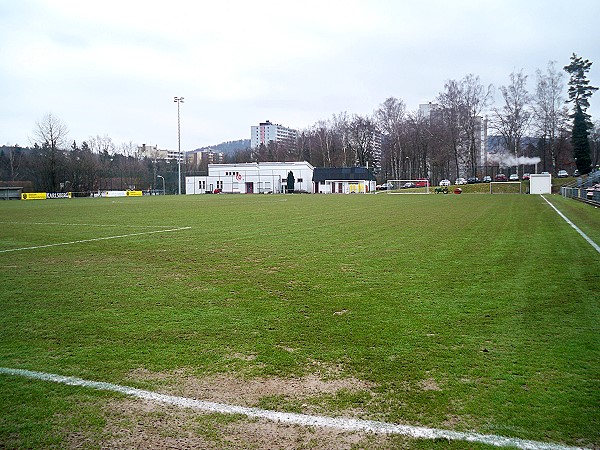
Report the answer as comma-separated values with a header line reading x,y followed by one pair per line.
x,y
163,183
178,100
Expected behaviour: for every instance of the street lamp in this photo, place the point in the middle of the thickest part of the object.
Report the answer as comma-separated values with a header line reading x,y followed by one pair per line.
x,y
178,100
409,168
163,178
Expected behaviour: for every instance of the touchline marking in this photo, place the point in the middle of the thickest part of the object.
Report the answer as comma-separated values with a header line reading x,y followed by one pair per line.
x,y
61,224
94,239
292,418
575,227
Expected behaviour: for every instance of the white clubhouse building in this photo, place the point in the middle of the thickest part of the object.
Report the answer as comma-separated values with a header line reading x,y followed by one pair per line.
x,y
272,177
252,178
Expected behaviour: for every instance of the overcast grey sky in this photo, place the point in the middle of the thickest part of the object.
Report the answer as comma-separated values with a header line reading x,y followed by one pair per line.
x,y
113,67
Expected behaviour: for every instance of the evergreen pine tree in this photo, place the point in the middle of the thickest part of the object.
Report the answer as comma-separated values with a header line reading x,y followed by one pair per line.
x,y
579,93
581,143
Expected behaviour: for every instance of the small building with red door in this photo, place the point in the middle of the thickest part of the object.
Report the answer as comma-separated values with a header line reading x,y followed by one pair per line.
x,y
252,178
343,180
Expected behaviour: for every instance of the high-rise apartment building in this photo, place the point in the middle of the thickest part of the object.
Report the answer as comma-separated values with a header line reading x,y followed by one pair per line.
x,y
270,132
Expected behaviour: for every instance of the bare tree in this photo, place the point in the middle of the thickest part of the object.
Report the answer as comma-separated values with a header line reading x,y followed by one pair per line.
x,y
50,131
50,138
12,161
343,152
325,137
476,98
512,120
101,145
305,147
550,115
595,144
419,141
460,108
391,120
128,149
451,114
362,139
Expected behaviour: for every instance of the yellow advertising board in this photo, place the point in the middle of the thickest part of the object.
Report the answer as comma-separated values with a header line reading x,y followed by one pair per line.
x,y
44,195
134,193
33,196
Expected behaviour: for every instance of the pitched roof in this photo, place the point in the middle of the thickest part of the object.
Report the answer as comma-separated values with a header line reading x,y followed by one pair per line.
x,y
342,173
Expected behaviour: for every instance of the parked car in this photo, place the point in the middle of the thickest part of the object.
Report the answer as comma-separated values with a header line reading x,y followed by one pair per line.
x,y
513,177
500,177
473,180
421,182
526,176
408,185
487,179
576,173
445,182
460,181
385,186
562,174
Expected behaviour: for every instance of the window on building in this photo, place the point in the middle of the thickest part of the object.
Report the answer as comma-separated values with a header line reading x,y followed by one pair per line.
x,y
299,180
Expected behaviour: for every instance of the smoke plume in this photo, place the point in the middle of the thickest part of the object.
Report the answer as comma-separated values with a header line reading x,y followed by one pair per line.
x,y
506,160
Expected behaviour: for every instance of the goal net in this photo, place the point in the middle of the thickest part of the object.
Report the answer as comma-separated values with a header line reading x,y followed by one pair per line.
x,y
506,187
420,186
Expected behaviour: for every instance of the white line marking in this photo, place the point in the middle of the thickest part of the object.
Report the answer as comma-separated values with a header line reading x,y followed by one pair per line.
x,y
60,224
292,418
575,227
92,240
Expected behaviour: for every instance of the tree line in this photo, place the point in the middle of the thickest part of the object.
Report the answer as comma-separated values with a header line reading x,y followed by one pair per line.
x,y
450,137
447,138
51,164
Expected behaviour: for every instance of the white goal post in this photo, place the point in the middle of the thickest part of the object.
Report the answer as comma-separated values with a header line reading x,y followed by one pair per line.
x,y
506,187
407,186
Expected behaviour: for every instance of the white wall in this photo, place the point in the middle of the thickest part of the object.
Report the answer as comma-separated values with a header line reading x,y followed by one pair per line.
x,y
265,177
540,183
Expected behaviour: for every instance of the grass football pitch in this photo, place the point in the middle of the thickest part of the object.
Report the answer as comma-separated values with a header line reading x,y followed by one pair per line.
x,y
474,313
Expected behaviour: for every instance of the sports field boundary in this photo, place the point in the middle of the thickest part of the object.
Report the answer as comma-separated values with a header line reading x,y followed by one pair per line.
x,y
575,227
344,424
83,241
88,225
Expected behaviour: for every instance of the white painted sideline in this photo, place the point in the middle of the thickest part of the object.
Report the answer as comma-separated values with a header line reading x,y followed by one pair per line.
x,y
92,240
72,224
295,419
575,227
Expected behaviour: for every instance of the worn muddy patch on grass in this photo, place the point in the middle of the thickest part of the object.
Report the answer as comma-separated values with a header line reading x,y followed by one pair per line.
x,y
223,388
138,424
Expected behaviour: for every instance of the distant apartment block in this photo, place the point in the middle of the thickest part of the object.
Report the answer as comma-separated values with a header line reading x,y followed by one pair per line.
x,y
156,154
197,157
270,132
